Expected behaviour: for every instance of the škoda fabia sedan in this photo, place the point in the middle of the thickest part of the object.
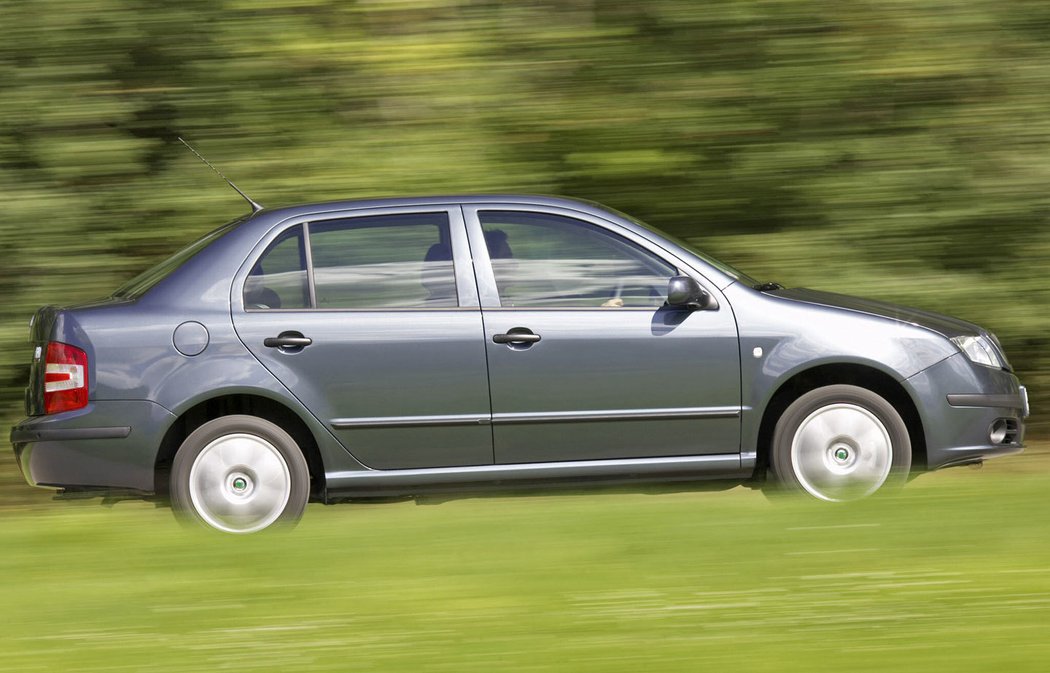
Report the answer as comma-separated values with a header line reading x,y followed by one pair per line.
x,y
398,347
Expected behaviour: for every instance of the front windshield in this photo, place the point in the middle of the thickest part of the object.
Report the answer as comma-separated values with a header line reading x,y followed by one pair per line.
x,y
727,269
137,286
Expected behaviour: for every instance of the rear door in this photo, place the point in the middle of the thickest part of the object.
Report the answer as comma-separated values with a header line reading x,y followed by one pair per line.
x,y
371,319
585,361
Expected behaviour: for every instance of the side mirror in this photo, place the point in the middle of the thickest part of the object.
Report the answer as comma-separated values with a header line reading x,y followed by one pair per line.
x,y
684,292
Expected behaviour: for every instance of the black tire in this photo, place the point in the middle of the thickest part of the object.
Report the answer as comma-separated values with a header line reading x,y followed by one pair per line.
x,y
840,443
239,474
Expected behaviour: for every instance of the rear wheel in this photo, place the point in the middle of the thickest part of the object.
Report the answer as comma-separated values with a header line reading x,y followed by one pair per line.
x,y
239,474
840,443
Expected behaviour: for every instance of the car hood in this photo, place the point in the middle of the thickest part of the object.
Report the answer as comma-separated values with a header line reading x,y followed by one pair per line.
x,y
942,324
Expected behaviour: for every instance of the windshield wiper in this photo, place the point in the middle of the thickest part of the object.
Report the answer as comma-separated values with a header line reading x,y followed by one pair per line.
x,y
769,286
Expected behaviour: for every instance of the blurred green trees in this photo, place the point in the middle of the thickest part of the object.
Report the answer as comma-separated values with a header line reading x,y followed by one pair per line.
x,y
898,149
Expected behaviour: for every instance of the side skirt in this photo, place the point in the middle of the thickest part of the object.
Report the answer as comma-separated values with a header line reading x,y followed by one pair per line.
x,y
369,483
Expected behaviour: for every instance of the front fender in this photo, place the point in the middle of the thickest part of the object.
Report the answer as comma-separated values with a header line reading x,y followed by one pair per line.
x,y
781,338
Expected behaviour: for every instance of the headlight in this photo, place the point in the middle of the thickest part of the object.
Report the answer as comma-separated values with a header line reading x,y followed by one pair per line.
x,y
980,350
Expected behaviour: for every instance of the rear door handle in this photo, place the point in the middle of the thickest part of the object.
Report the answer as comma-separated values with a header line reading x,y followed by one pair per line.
x,y
517,335
288,341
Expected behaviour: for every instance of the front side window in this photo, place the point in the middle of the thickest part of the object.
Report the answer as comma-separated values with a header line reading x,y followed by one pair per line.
x,y
541,260
383,261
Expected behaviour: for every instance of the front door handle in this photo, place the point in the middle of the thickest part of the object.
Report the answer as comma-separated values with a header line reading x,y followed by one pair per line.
x,y
288,341
516,335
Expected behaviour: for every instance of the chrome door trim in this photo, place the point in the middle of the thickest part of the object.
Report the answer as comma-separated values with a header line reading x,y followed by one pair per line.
x,y
615,415
377,482
536,417
409,421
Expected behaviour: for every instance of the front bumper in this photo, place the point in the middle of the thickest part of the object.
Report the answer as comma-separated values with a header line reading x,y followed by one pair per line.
x,y
961,404
108,444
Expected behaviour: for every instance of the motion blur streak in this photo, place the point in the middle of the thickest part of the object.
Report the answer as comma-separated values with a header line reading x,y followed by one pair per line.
x,y
895,150
898,150
952,575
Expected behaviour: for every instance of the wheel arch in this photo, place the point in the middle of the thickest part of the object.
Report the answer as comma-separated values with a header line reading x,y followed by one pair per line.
x,y
239,403
859,375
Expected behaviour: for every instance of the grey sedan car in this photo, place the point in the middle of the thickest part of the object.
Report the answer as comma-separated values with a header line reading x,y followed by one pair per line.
x,y
399,347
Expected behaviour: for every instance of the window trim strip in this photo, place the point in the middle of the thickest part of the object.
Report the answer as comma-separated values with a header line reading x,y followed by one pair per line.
x,y
311,288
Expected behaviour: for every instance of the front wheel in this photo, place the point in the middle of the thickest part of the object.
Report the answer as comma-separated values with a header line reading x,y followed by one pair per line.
x,y
239,474
840,443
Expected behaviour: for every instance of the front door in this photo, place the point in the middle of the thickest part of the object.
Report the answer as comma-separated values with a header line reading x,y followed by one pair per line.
x,y
371,319
585,361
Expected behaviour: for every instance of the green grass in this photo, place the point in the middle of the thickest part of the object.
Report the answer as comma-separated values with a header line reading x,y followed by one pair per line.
x,y
952,574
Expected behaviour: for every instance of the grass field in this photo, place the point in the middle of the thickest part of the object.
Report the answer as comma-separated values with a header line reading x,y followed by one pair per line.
x,y
952,574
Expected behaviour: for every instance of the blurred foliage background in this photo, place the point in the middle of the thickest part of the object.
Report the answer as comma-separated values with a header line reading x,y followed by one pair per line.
x,y
897,149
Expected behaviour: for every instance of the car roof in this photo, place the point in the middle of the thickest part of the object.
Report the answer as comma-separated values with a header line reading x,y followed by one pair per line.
x,y
256,224
277,214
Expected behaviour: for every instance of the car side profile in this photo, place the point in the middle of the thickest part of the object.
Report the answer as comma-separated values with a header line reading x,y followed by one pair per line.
x,y
357,349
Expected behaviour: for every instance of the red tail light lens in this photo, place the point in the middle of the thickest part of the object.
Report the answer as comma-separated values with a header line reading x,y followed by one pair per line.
x,y
65,378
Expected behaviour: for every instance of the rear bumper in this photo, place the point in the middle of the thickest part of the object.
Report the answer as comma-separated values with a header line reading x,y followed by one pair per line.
x,y
108,444
960,404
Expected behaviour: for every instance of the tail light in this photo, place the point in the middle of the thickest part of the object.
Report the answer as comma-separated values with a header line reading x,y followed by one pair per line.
x,y
65,378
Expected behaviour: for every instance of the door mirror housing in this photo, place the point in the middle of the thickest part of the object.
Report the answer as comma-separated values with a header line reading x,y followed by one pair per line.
x,y
685,292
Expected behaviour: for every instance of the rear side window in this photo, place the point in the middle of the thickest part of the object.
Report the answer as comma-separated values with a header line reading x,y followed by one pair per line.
x,y
376,262
385,261
278,279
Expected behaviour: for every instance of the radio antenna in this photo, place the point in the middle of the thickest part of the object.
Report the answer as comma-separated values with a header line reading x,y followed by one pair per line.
x,y
255,206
